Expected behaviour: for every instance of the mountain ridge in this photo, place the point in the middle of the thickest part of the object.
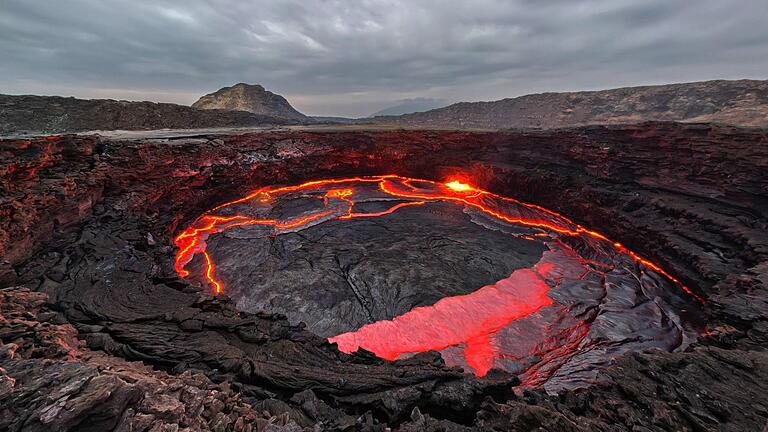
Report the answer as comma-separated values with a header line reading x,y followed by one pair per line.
x,y
58,114
738,102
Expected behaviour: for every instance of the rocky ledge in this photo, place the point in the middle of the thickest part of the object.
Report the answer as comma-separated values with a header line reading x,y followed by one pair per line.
x,y
104,335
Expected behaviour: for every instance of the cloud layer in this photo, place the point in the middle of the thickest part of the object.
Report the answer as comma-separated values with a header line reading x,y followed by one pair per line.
x,y
336,57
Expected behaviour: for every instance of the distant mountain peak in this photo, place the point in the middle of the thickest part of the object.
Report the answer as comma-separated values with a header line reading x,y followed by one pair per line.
x,y
247,86
414,105
251,98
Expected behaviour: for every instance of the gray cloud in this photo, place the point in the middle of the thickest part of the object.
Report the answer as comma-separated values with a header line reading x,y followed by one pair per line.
x,y
336,57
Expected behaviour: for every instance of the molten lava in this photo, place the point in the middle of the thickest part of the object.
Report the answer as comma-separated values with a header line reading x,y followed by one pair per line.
x,y
459,186
470,321
452,321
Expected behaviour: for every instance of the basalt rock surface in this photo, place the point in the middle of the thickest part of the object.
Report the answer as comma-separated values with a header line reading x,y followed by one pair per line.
x,y
87,228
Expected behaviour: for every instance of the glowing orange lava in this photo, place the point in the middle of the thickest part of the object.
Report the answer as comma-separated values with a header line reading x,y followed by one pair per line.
x,y
209,268
453,321
459,186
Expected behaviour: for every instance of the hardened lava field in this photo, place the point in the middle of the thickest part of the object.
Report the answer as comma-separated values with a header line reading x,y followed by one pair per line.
x,y
397,266
117,247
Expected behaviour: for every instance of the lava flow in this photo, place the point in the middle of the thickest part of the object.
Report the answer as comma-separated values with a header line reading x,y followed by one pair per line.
x,y
453,320
470,321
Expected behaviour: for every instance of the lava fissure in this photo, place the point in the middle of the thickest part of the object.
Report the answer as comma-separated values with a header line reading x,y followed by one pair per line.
x,y
356,291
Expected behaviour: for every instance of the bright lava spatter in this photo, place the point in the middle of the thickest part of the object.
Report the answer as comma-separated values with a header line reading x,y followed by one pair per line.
x,y
517,296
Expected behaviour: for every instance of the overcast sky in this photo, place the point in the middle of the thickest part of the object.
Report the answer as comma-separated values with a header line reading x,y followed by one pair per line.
x,y
355,57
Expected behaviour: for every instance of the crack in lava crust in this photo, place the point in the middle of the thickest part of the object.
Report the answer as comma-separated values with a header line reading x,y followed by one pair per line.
x,y
472,320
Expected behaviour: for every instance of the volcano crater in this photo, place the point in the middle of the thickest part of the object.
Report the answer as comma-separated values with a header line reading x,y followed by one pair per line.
x,y
397,266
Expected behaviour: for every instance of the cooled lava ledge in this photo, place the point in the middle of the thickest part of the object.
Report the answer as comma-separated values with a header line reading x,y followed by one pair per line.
x,y
92,223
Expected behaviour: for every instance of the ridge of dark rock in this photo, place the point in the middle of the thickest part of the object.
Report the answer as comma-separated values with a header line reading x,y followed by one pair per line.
x,y
56,114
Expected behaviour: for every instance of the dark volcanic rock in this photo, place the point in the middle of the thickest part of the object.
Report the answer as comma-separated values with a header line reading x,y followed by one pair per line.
x,y
89,222
54,114
743,102
50,381
250,98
